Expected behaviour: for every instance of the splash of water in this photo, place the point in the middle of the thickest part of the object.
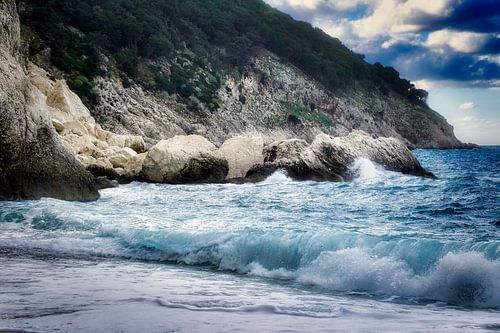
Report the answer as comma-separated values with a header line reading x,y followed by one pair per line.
x,y
279,176
364,169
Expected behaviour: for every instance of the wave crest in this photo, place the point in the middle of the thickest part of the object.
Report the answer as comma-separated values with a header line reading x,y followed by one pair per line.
x,y
458,278
339,261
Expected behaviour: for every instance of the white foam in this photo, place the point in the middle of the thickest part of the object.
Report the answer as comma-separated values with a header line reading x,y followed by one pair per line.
x,y
262,308
279,176
458,278
336,261
364,169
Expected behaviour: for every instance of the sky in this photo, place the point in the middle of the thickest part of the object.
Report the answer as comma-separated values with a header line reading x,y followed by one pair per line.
x,y
451,48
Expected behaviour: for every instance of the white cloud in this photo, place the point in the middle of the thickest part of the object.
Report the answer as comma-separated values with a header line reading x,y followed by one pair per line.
x,y
427,84
341,29
467,106
493,58
298,4
430,85
477,130
308,4
390,17
379,22
337,5
461,41
404,38
390,22
431,7
408,12
347,5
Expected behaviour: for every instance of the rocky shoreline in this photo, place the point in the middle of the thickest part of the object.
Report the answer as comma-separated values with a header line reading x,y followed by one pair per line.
x,y
194,159
113,158
51,146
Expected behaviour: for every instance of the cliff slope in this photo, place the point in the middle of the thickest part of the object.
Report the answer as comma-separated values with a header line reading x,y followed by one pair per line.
x,y
33,162
220,68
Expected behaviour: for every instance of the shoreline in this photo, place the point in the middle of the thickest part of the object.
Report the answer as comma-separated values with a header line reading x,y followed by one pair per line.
x,y
165,304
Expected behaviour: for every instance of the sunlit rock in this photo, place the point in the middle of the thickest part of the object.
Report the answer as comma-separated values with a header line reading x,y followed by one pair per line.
x,y
184,159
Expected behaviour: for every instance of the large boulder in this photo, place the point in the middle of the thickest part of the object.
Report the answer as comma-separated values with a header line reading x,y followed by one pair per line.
x,y
329,158
341,152
33,161
184,159
242,153
297,158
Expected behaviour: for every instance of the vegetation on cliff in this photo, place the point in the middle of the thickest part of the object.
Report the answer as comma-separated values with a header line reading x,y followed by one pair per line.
x,y
183,47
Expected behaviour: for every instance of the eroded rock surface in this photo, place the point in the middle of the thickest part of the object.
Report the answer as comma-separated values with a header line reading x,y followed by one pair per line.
x,y
33,161
102,152
242,153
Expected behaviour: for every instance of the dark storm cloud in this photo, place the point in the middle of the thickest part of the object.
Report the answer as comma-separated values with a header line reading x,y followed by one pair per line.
x,y
415,58
418,64
465,68
492,46
469,15
476,15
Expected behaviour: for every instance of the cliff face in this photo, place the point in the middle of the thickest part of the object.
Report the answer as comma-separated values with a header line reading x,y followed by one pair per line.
x,y
33,162
275,99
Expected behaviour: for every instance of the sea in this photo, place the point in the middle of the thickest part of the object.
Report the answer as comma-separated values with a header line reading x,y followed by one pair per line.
x,y
386,252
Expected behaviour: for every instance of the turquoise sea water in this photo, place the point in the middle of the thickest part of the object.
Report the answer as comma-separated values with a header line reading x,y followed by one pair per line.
x,y
321,251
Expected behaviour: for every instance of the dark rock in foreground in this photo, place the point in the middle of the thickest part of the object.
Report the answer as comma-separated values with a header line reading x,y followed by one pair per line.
x,y
33,162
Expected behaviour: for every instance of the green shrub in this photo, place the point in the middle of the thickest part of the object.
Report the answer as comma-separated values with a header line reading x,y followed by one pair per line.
x,y
213,35
298,111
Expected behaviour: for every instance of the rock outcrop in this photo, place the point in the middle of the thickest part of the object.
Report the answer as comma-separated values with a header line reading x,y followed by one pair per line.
x,y
102,152
33,161
194,159
184,159
329,158
340,152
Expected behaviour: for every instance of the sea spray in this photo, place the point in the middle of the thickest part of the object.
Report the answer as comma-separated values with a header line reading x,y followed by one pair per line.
x,y
279,176
364,170
458,278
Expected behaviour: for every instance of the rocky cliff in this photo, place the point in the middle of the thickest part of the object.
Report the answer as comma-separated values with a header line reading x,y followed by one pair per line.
x,y
275,99
166,68
33,161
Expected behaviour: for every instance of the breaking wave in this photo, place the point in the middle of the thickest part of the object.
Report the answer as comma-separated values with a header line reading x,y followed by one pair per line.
x,y
454,272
